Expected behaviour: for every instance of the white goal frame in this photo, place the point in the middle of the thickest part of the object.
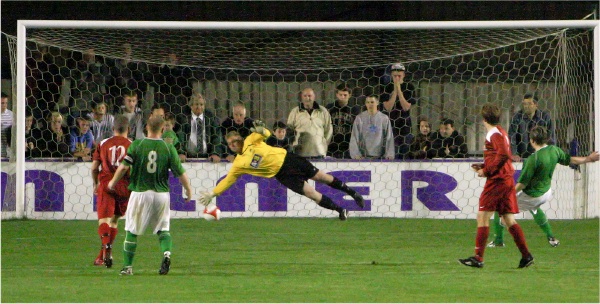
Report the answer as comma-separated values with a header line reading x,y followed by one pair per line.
x,y
23,25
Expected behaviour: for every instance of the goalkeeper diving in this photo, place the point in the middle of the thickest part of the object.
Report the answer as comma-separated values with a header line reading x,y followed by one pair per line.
x,y
256,158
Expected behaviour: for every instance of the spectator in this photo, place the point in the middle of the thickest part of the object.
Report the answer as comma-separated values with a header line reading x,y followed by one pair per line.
x,y
311,123
6,118
200,135
239,123
101,123
169,136
398,99
55,139
372,135
279,137
342,118
448,143
421,147
135,115
31,136
523,121
82,139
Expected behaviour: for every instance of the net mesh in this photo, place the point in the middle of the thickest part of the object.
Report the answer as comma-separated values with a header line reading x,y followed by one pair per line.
x,y
453,73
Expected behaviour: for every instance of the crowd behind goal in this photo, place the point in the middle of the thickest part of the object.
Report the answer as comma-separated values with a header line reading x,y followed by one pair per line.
x,y
72,98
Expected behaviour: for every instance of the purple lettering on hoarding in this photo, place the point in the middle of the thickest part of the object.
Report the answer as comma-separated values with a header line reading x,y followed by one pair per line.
x,y
272,196
49,190
7,204
433,196
347,177
178,203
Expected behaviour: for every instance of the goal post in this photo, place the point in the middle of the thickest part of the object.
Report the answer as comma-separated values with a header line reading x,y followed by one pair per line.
x,y
465,64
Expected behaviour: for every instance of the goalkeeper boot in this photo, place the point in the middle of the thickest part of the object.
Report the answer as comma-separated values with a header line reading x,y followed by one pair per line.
x,y
343,215
493,244
108,260
165,266
360,201
526,262
100,258
554,242
471,262
127,271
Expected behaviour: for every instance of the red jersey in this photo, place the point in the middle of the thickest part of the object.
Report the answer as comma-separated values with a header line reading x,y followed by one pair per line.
x,y
499,191
497,163
110,152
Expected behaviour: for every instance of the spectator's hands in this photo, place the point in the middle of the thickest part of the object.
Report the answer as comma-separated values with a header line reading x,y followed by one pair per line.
x,y
230,158
517,158
206,198
259,127
214,158
182,158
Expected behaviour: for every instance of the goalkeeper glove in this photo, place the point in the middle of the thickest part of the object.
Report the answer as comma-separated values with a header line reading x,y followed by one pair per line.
x,y
259,127
206,198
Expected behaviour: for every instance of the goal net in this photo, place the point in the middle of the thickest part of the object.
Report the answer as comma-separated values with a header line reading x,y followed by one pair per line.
x,y
453,71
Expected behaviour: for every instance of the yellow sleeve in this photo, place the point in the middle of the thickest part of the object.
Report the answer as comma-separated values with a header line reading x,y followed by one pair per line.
x,y
227,182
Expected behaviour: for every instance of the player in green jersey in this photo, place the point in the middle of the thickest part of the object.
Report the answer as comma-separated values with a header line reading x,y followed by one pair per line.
x,y
149,160
533,186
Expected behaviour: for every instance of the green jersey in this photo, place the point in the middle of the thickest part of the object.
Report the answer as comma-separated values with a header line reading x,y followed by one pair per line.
x,y
171,137
150,161
539,167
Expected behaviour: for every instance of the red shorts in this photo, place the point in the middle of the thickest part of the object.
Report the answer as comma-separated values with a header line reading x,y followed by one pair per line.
x,y
499,195
112,203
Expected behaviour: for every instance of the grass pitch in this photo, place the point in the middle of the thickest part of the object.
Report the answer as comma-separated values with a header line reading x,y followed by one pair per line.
x,y
300,260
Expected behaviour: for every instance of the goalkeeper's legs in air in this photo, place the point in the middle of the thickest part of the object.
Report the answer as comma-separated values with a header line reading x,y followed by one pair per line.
x,y
498,232
323,200
335,183
540,218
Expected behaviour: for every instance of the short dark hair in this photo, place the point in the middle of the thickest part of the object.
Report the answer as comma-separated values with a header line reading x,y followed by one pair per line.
x,y
425,119
4,95
279,125
128,92
531,96
447,121
344,88
121,123
491,113
539,135
169,116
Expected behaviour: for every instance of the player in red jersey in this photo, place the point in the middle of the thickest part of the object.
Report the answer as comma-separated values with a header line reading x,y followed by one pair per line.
x,y
111,205
499,191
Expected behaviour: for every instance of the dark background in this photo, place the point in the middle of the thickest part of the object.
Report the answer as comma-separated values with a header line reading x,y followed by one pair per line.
x,y
11,11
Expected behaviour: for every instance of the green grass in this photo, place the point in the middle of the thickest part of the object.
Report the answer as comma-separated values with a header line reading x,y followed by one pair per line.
x,y
300,260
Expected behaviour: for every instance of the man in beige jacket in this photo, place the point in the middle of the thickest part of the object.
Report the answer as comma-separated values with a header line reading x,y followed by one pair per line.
x,y
312,125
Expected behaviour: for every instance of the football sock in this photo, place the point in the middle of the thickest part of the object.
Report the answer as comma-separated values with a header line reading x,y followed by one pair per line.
x,y
104,232
338,184
498,229
129,247
540,218
480,241
164,237
327,203
113,234
519,237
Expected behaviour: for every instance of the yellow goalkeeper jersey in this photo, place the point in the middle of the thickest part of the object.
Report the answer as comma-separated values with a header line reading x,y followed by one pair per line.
x,y
257,159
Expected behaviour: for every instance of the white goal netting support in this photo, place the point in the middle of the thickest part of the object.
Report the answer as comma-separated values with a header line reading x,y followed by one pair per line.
x,y
67,67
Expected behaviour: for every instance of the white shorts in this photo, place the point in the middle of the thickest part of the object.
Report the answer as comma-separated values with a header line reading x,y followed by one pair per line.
x,y
148,209
528,203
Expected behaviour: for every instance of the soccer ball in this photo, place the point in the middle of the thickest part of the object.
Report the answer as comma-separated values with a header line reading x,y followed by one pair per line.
x,y
212,213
